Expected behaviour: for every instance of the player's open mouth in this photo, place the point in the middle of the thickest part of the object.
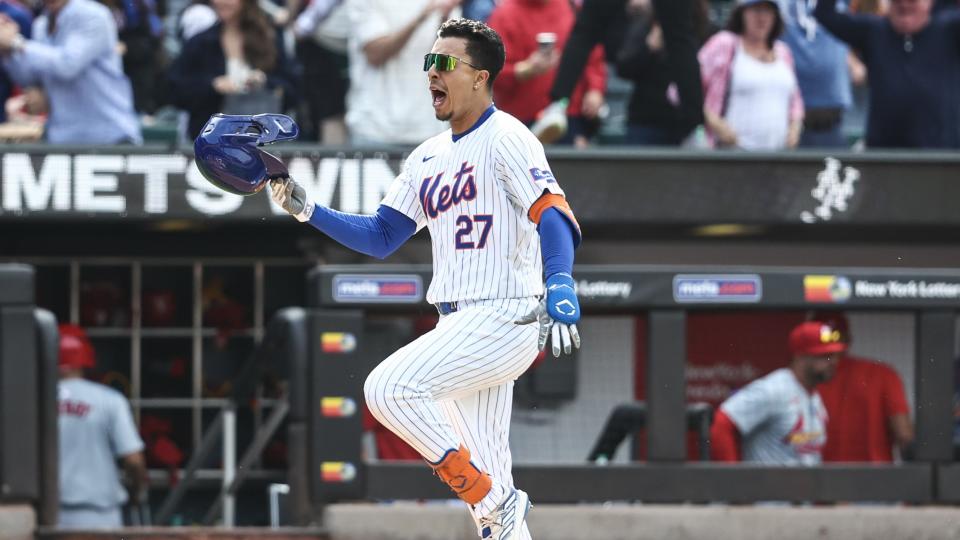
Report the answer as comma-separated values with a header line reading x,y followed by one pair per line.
x,y
439,97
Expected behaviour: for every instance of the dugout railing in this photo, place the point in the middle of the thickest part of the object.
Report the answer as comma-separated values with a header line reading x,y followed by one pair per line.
x,y
627,419
341,347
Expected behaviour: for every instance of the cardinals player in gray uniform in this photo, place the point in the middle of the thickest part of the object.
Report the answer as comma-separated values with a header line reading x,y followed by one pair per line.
x,y
500,229
780,419
96,429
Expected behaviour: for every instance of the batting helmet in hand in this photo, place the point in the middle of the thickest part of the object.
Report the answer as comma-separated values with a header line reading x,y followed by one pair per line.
x,y
76,351
227,152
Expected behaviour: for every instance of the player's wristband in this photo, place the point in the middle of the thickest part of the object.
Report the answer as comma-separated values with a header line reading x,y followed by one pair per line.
x,y
307,211
560,279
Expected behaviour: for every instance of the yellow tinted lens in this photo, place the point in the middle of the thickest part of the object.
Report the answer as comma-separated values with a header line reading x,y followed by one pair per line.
x,y
442,62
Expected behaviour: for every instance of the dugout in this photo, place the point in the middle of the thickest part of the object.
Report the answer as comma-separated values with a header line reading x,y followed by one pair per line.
x,y
667,297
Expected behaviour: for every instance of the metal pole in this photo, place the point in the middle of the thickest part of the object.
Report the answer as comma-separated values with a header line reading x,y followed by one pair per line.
x,y
48,505
229,462
666,386
936,335
275,491
260,440
206,448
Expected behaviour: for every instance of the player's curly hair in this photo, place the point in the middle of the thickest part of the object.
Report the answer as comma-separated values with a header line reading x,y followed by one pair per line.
x,y
483,44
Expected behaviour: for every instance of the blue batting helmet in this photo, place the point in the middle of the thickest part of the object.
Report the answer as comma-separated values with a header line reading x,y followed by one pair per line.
x,y
227,155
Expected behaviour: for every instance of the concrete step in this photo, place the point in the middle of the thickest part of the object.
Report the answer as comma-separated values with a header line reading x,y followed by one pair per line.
x,y
187,533
407,521
17,522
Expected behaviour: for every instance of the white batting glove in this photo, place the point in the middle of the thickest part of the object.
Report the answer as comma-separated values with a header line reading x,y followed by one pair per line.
x,y
291,197
558,314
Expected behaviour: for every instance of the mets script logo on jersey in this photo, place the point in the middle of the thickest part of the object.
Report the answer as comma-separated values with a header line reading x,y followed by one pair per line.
x,y
464,188
542,174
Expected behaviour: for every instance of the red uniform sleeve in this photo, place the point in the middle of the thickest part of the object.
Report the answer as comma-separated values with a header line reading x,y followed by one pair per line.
x,y
507,81
369,422
596,72
894,398
724,439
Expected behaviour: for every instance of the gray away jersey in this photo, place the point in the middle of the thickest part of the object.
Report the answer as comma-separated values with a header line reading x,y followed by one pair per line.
x,y
96,428
780,422
473,194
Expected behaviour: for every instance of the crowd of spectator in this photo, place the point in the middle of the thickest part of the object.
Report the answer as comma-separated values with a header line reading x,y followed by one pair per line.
x,y
742,74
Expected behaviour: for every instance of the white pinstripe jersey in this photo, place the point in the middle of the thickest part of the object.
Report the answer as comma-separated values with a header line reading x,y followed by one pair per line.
x,y
473,193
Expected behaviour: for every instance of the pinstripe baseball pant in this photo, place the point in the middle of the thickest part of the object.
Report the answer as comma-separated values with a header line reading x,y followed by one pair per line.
x,y
454,385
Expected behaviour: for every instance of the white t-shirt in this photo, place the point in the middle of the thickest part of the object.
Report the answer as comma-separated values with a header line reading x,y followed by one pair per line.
x,y
390,103
96,428
780,423
474,193
239,71
195,19
759,105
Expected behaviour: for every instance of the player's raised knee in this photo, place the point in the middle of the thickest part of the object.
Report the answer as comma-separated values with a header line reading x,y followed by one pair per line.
x,y
370,391
380,393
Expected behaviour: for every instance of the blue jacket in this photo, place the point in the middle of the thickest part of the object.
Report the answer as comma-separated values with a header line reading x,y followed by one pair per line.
x,y
23,19
914,80
82,75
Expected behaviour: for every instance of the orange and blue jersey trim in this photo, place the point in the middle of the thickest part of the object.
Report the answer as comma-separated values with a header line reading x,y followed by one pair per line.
x,y
551,200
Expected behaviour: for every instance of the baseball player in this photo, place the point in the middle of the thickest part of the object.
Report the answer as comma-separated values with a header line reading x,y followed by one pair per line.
x,y
780,419
96,429
499,224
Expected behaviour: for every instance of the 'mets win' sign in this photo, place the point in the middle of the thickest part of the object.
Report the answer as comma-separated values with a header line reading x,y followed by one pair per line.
x,y
148,186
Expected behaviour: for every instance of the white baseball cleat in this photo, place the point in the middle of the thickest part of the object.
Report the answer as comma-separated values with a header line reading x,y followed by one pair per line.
x,y
552,122
506,520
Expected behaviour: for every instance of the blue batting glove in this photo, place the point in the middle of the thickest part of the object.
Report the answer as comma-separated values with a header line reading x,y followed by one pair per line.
x,y
557,315
562,303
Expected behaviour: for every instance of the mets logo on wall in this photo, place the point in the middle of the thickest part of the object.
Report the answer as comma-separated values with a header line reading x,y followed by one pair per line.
x,y
826,289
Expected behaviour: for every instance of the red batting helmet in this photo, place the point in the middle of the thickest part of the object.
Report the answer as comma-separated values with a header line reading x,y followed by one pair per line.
x,y
76,351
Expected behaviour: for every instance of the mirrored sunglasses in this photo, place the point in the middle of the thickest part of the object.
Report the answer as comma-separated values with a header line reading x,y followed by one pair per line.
x,y
443,62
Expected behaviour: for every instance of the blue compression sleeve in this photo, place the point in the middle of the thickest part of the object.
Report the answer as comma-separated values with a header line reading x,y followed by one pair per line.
x,y
378,235
556,243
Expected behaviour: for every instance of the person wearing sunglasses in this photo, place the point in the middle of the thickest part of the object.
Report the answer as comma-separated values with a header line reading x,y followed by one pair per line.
x,y
499,224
